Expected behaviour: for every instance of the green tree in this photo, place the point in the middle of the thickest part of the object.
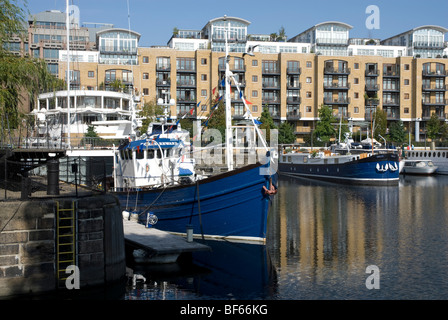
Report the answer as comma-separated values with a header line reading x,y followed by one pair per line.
x,y
267,123
325,130
397,133
435,128
149,113
91,133
379,123
286,133
19,76
217,118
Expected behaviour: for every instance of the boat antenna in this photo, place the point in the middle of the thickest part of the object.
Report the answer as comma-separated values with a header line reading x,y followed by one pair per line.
x,y
68,71
228,137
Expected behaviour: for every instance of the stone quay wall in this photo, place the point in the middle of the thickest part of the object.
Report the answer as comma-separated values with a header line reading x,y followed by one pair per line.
x,y
28,247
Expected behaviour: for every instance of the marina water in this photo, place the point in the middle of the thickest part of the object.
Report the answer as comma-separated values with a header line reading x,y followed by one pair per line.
x,y
323,242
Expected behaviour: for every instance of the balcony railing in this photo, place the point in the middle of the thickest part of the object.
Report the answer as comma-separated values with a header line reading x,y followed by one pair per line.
x,y
372,102
295,100
294,70
162,83
391,88
434,102
426,115
372,87
332,70
270,70
434,87
391,73
293,115
271,85
186,83
391,102
372,73
337,101
163,67
436,73
337,85
294,85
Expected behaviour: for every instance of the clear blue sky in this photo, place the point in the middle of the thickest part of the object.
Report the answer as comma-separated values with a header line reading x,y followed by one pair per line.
x,y
155,20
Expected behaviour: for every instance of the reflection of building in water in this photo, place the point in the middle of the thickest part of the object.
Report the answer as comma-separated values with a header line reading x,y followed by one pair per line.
x,y
332,226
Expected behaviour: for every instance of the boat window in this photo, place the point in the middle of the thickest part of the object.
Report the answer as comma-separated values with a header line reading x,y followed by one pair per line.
x,y
122,155
159,154
139,154
305,159
425,154
289,158
284,158
129,154
438,154
150,154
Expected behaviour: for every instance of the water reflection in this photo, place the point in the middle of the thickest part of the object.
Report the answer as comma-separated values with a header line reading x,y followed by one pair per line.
x,y
229,271
322,236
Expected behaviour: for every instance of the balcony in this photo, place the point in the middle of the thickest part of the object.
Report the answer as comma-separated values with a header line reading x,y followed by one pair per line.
x,y
372,73
372,87
182,99
272,71
428,45
329,101
293,85
427,113
337,71
293,115
391,102
392,114
391,88
271,85
391,74
331,42
434,102
293,70
337,86
163,67
437,73
186,69
434,87
163,83
271,100
372,102
293,100
186,83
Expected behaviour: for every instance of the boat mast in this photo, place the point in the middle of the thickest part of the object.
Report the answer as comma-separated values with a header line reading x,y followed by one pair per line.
x,y
229,138
68,72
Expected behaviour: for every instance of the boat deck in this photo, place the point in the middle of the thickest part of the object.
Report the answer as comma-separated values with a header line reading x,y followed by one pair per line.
x,y
161,246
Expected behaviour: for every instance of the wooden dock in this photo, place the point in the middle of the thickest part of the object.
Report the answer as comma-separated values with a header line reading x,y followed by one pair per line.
x,y
156,246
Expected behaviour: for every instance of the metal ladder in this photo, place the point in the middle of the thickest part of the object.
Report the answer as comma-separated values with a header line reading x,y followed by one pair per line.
x,y
65,241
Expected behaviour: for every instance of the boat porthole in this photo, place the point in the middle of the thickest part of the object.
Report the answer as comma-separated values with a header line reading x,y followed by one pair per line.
x,y
438,154
327,169
337,169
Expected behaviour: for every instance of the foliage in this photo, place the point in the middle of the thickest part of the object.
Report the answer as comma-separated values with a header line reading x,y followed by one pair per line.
x,y
19,76
286,133
267,123
217,118
379,123
325,130
397,132
435,128
149,112
91,133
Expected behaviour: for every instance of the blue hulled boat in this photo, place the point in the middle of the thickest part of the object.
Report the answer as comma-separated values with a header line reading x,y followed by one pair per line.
x,y
362,168
157,179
